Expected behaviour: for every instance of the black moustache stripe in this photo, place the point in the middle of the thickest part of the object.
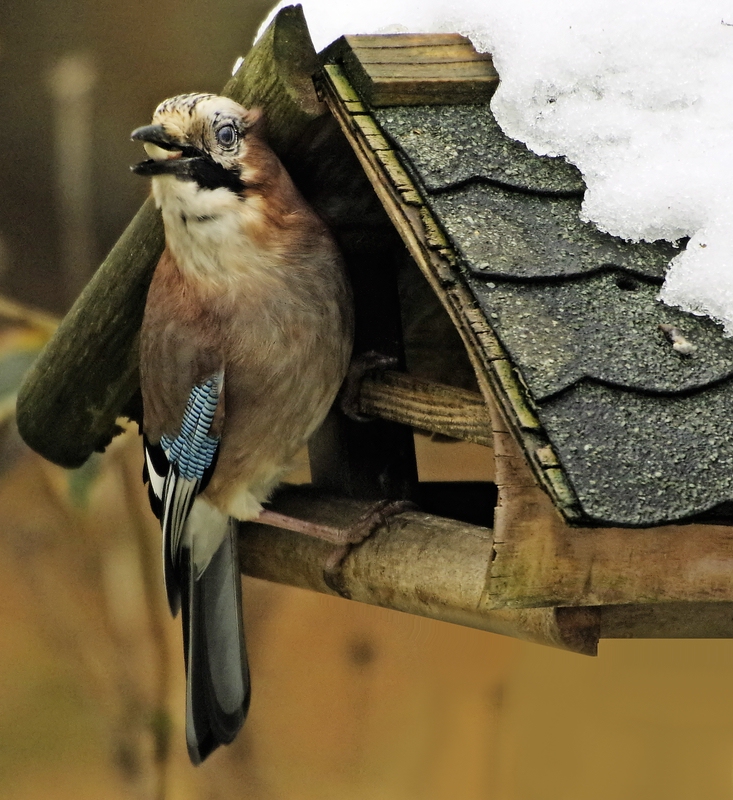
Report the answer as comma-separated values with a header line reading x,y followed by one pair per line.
x,y
208,174
211,175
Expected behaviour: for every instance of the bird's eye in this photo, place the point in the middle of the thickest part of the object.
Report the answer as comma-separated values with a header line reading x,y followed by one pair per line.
x,y
226,135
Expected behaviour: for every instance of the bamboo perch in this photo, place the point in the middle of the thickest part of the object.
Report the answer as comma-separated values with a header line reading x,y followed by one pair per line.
x,y
414,562
87,375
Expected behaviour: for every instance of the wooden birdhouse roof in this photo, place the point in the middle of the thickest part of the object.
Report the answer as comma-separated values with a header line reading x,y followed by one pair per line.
x,y
620,403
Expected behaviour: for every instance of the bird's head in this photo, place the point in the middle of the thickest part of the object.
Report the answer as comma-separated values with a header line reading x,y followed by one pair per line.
x,y
201,138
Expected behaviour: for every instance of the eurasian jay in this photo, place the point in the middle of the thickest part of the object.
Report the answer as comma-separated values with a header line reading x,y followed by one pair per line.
x,y
246,338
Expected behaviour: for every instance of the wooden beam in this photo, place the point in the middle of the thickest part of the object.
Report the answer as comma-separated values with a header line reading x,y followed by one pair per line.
x,y
427,406
401,41
87,375
414,562
376,459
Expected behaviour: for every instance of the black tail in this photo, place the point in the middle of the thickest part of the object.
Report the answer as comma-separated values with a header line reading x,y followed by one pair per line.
x,y
217,676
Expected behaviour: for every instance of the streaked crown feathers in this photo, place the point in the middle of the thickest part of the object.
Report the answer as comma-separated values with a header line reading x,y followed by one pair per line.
x,y
198,119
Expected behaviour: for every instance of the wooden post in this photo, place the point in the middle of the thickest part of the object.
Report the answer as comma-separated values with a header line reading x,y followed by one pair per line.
x,y
373,459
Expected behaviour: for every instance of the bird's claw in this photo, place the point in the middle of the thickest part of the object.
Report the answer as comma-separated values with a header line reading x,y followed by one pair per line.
x,y
376,516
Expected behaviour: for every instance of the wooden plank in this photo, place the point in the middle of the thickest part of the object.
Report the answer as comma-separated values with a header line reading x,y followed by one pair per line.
x,y
512,390
415,69
398,177
421,54
436,239
454,71
340,85
563,492
414,562
87,375
428,406
387,92
542,561
667,621
547,457
398,40
371,132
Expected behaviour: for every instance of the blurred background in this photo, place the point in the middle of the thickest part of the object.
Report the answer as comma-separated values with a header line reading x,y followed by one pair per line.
x,y
349,701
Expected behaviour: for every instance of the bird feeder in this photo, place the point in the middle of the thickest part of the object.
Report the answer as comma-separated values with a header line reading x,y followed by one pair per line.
x,y
511,323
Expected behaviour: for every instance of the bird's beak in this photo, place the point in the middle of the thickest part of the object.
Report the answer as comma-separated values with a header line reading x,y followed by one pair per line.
x,y
163,150
155,134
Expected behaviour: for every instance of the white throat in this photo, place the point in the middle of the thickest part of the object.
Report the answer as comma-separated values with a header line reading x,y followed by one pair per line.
x,y
203,227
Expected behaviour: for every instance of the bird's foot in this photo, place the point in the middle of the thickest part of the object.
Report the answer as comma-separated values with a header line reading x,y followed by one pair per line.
x,y
373,518
358,369
344,538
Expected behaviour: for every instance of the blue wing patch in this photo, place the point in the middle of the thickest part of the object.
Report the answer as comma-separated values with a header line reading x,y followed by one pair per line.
x,y
192,451
178,468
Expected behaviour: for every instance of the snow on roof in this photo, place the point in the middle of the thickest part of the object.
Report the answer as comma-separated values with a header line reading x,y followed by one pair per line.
x,y
638,95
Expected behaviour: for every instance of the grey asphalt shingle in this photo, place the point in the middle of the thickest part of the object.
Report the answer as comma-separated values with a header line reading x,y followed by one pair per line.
x,y
643,432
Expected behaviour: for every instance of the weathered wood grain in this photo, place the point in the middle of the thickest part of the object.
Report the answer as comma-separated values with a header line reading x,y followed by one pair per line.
x,y
667,621
542,561
423,55
427,405
399,41
416,69
87,375
382,73
383,92
414,562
